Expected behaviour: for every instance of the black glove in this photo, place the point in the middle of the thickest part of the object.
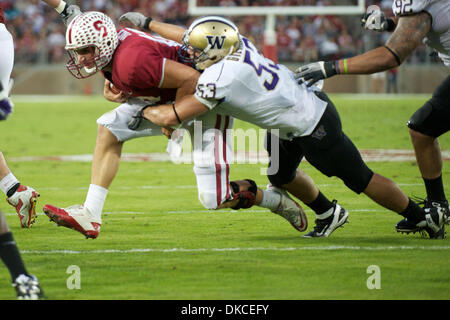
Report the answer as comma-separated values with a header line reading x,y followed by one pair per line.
x,y
137,118
316,71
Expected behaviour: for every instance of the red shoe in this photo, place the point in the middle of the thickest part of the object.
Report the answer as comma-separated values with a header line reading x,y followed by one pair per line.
x,y
74,217
24,201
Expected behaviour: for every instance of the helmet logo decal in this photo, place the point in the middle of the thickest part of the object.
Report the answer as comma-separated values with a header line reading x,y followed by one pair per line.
x,y
216,42
98,25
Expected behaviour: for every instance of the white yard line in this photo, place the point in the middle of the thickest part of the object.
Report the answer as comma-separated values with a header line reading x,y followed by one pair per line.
x,y
369,155
211,250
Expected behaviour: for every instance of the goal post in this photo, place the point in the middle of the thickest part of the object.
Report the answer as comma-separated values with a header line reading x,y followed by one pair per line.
x,y
271,12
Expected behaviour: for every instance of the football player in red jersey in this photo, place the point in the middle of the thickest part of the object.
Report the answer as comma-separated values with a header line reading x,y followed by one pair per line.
x,y
139,69
138,65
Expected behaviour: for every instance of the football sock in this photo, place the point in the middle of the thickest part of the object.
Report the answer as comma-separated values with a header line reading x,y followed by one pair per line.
x,y
10,255
9,184
413,211
435,189
95,200
271,200
321,204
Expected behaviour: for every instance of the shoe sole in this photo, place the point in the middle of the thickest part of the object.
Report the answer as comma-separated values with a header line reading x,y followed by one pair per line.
x,y
303,220
31,212
33,202
63,223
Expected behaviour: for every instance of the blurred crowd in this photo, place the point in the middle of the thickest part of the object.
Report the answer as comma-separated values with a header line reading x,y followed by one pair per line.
x,y
40,34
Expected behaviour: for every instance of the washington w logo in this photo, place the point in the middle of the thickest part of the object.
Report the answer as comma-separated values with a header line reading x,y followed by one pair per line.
x,y
216,41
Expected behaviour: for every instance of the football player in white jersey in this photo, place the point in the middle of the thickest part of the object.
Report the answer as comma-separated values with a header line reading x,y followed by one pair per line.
x,y
238,81
94,46
415,21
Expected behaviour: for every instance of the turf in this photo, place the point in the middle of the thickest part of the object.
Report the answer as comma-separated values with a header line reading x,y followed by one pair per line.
x,y
158,242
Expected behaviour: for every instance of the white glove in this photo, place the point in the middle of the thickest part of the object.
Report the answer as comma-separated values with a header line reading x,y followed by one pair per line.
x,y
136,18
375,20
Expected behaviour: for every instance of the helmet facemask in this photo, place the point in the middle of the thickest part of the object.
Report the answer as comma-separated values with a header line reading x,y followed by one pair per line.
x,y
90,30
86,69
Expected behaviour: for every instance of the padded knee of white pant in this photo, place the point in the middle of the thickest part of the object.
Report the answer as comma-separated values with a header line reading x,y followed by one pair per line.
x,y
117,120
208,200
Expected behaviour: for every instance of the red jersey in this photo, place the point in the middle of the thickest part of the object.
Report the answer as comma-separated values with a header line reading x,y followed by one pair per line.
x,y
2,16
138,64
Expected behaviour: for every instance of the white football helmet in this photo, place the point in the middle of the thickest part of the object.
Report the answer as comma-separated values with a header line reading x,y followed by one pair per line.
x,y
90,29
208,40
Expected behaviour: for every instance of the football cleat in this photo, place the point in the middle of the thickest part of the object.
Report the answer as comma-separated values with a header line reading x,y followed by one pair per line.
x,y
433,222
329,221
24,201
27,288
74,217
290,210
439,204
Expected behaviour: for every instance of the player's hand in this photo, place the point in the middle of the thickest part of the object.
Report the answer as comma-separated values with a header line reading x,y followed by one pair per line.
x,y
375,20
137,19
113,94
70,12
6,108
313,72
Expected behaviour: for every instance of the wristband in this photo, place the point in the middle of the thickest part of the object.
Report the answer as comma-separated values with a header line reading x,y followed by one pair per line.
x,y
147,23
390,25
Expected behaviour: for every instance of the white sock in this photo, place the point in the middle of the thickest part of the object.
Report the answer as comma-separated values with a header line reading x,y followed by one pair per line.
x,y
7,182
271,200
95,200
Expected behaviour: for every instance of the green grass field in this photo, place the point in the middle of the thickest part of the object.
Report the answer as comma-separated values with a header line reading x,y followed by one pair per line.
x,y
158,242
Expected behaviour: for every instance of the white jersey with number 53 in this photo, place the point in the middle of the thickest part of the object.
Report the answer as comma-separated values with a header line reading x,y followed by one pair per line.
x,y
439,36
252,88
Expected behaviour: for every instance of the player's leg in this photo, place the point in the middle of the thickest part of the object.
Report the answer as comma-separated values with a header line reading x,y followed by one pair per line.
x,y
6,65
113,131
212,156
26,285
298,183
6,56
425,126
336,155
22,198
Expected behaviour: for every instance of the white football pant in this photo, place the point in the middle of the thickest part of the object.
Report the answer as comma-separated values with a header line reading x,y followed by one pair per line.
x,y
212,149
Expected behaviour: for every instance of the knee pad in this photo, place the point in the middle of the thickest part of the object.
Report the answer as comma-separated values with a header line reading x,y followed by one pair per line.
x,y
244,192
